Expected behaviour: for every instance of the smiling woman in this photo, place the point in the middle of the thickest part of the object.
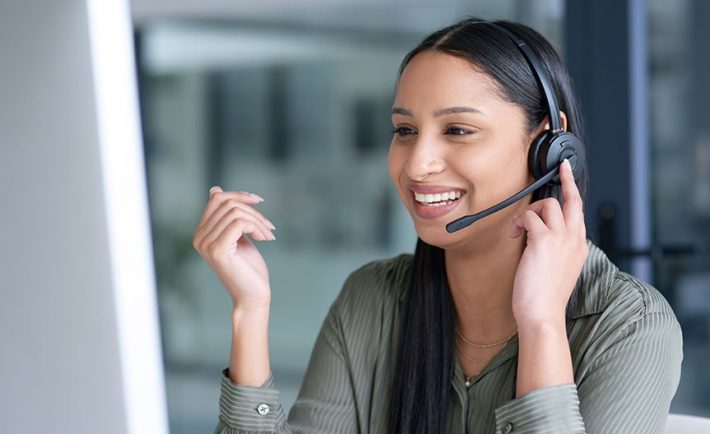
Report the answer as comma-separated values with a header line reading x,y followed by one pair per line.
x,y
515,323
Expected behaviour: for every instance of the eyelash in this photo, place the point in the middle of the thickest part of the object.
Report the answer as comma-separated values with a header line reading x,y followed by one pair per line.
x,y
406,131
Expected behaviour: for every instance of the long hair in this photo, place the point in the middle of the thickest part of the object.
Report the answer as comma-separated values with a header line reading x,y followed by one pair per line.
x,y
425,356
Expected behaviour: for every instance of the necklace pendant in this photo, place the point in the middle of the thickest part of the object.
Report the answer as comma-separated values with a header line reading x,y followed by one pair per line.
x,y
468,383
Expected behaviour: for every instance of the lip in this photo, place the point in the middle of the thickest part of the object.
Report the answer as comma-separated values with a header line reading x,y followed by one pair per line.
x,y
430,212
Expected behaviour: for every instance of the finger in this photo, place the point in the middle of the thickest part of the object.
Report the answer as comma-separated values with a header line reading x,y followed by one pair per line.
x,y
572,207
528,222
230,238
228,205
549,210
262,233
238,213
217,196
208,226
221,213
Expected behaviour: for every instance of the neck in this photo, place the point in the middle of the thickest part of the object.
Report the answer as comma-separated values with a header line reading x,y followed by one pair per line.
x,y
481,280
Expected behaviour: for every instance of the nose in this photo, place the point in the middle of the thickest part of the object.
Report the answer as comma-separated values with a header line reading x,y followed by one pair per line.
x,y
425,159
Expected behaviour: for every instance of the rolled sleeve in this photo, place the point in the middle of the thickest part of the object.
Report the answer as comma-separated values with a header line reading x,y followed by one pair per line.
x,y
248,409
552,409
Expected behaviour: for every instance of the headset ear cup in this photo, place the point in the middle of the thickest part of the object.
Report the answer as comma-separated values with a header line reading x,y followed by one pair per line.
x,y
565,145
537,154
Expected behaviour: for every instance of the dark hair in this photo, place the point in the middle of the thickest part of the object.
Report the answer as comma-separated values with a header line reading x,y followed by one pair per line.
x,y
425,356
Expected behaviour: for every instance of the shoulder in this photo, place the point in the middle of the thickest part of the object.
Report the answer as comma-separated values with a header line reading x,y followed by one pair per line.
x,y
627,289
603,289
622,305
619,316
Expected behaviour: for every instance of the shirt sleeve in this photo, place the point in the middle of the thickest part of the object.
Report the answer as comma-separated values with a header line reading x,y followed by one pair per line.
x,y
325,403
249,409
552,409
628,388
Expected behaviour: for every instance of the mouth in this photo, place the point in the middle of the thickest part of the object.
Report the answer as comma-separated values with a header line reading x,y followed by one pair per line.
x,y
438,199
435,202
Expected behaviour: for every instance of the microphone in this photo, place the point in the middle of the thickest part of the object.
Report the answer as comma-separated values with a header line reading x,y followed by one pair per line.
x,y
468,220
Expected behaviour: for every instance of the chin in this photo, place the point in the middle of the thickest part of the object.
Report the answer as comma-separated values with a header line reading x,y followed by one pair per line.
x,y
480,233
438,236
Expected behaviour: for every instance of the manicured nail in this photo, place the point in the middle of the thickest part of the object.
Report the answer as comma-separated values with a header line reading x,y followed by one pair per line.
x,y
261,199
213,189
271,225
569,165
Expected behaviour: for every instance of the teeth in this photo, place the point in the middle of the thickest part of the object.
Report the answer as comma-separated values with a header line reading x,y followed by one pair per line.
x,y
437,199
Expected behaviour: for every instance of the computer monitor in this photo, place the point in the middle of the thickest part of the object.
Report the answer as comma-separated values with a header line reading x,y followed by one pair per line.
x,y
78,315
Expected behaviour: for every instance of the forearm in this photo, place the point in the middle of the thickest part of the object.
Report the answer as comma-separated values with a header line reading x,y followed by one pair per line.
x,y
544,357
249,360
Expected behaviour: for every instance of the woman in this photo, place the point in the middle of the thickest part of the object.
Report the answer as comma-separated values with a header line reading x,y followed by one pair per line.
x,y
516,323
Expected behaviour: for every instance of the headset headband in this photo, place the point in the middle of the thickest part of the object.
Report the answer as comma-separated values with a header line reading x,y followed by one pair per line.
x,y
540,73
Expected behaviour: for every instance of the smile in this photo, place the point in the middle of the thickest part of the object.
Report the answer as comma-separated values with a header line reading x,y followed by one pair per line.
x,y
438,199
430,202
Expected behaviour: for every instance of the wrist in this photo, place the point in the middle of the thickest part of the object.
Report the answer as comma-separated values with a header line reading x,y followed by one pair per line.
x,y
252,314
251,307
551,326
249,359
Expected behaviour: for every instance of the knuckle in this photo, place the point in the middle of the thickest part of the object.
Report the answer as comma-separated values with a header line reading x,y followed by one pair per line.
x,y
236,224
212,250
217,197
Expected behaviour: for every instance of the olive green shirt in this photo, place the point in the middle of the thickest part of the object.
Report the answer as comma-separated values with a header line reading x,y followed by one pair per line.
x,y
625,342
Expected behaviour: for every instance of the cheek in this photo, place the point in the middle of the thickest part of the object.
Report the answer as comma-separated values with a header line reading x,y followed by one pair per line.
x,y
492,171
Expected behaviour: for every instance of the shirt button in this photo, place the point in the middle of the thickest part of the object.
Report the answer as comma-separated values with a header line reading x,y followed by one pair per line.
x,y
508,428
263,409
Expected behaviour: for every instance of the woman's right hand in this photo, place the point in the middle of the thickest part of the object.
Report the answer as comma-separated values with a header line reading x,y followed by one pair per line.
x,y
221,239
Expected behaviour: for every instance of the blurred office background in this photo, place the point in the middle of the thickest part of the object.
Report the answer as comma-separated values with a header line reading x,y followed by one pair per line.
x,y
291,100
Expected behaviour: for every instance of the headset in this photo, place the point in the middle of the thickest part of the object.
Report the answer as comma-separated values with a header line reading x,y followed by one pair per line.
x,y
547,150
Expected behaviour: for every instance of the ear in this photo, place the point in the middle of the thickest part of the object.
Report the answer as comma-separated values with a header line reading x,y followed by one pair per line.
x,y
563,117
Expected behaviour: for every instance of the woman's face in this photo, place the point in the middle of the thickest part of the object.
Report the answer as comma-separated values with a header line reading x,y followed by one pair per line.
x,y
459,144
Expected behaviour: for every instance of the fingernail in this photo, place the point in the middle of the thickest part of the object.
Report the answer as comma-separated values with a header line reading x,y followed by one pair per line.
x,y
214,188
271,225
273,238
569,165
261,199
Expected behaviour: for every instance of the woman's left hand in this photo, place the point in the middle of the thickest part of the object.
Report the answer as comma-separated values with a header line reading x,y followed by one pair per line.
x,y
553,257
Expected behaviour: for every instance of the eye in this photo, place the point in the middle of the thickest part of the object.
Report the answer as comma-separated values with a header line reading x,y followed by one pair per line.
x,y
403,131
459,131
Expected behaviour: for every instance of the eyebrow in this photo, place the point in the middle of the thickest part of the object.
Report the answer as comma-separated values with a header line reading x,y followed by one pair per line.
x,y
441,112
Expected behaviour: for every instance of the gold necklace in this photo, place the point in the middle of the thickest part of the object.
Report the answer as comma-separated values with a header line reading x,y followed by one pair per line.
x,y
494,344
467,378
469,357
